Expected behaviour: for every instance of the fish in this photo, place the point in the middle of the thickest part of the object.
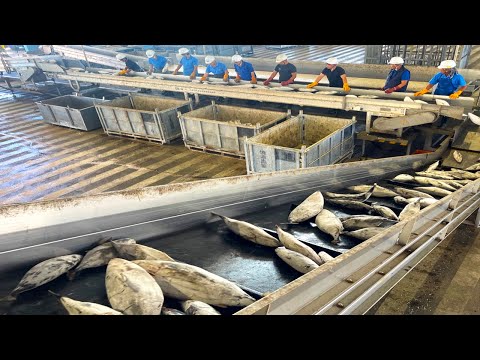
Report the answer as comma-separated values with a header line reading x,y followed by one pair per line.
x,y
403,177
420,101
329,223
409,193
434,182
195,307
250,232
379,191
433,166
282,88
292,243
359,197
435,175
474,118
45,272
327,92
188,282
368,96
75,307
410,210
100,255
171,311
424,202
441,102
131,289
408,99
299,262
351,204
325,256
462,174
384,211
356,222
432,190
306,90
457,156
473,167
351,96
365,233
139,252
308,208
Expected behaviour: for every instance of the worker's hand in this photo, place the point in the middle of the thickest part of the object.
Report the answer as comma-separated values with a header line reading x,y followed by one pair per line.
x,y
237,79
254,80
390,90
122,72
165,69
382,88
192,76
149,73
455,95
225,77
421,92
346,87
286,82
175,72
311,85
266,82
203,78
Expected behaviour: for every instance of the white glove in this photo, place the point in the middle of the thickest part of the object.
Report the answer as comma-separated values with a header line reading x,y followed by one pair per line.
x,y
165,69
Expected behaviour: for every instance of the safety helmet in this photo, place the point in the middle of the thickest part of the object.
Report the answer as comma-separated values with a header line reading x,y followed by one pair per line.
x,y
280,58
396,60
447,64
209,59
236,58
183,51
332,61
121,56
150,53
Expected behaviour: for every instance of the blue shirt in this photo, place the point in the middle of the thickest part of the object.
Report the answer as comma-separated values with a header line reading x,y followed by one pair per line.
x,y
188,65
159,63
447,85
245,70
219,69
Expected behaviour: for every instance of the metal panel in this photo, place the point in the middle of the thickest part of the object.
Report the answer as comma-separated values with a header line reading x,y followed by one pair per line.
x,y
140,116
76,112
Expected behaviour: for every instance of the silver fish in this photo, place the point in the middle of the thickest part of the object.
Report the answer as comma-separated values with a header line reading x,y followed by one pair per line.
x,y
433,166
379,191
195,307
403,177
325,257
410,211
384,211
358,197
409,193
139,252
292,243
365,233
171,311
351,204
433,182
364,221
75,307
308,208
329,223
435,175
432,190
299,262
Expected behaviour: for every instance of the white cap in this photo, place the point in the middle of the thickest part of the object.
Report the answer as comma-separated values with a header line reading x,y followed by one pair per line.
x,y
447,64
280,58
396,60
236,58
182,51
121,56
209,59
332,60
150,53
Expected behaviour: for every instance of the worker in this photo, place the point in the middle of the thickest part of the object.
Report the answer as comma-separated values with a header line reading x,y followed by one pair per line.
x,y
335,74
244,70
288,71
129,65
398,77
218,69
449,81
156,63
189,63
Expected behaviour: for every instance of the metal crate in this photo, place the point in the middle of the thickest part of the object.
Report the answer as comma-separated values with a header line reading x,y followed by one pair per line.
x,y
152,118
71,111
222,129
300,142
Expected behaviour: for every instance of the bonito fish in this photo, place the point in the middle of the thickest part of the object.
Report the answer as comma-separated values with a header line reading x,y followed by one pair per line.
x,y
299,262
308,208
329,223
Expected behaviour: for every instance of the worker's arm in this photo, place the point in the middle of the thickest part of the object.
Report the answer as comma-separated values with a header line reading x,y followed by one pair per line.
x,y
316,81
457,93
205,75
193,75
396,88
424,91
225,75
345,82
269,80
150,70
175,72
254,78
289,81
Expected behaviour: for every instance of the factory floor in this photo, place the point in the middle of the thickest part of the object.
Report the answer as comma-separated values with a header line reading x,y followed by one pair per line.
x,y
39,161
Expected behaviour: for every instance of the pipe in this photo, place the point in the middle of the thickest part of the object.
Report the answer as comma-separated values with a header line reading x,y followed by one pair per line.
x,y
383,123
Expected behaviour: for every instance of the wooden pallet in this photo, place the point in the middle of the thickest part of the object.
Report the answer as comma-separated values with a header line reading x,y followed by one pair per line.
x,y
215,151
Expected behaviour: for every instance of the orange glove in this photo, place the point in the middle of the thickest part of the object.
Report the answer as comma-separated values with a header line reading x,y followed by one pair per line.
x,y
254,80
346,87
237,79
455,95
421,92
122,72
203,78
225,77
311,85
192,75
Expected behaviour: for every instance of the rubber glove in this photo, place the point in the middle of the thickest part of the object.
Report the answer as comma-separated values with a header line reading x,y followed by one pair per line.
x,y
225,77
311,85
254,80
122,72
237,79
203,78
421,92
455,95
346,87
